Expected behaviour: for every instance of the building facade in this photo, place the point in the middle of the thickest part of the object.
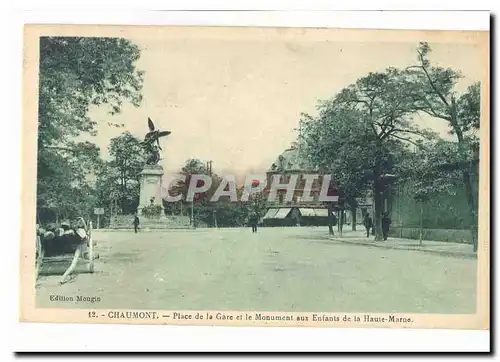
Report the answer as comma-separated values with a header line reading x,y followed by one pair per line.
x,y
295,212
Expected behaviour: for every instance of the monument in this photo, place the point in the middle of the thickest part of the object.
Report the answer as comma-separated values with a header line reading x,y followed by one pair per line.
x,y
150,187
150,208
151,175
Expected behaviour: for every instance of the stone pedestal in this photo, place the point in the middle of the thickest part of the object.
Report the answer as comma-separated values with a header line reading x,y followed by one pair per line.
x,y
151,187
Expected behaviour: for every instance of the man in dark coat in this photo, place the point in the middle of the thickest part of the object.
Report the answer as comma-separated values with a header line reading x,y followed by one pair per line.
x,y
386,222
368,222
332,221
253,220
136,223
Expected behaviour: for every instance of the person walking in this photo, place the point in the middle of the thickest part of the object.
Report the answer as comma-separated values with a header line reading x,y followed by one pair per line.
x,y
368,222
332,220
136,223
386,222
253,220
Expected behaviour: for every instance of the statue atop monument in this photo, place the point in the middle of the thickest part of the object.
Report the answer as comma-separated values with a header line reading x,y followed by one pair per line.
x,y
152,143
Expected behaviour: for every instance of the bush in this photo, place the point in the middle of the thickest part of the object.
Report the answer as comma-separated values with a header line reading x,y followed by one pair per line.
x,y
152,211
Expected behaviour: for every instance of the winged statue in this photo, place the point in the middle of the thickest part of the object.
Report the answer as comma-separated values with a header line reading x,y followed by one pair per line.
x,y
152,143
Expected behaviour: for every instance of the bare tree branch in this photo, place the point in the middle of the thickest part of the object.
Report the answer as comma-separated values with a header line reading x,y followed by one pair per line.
x,y
60,148
415,132
433,113
407,140
431,82
387,134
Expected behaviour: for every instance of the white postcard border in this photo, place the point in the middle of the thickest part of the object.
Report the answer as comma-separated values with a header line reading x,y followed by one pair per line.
x,y
372,339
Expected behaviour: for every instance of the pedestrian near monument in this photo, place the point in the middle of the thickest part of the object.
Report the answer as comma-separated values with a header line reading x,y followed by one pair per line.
x,y
253,220
136,223
386,223
368,222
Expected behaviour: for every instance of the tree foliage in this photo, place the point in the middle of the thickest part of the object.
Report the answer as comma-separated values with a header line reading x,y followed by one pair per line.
x,y
432,171
363,134
74,74
358,131
224,212
77,72
125,166
65,181
434,93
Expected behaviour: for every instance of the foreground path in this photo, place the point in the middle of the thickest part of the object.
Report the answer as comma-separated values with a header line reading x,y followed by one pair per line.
x,y
277,269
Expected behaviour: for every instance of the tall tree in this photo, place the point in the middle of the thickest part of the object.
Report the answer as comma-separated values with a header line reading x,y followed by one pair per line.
x,y
127,162
202,209
433,92
192,166
223,213
336,142
65,181
358,129
75,73
107,190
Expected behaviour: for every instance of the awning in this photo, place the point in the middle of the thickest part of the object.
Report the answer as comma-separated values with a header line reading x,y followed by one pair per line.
x,y
282,213
307,212
270,213
321,212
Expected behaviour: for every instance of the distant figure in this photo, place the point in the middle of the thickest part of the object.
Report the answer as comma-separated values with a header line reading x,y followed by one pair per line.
x,y
332,221
368,222
253,220
386,222
136,223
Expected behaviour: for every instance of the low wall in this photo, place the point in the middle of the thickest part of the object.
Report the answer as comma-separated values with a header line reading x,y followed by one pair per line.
x,y
165,222
451,235
291,221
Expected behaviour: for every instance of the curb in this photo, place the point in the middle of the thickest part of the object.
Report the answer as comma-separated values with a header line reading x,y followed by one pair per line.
x,y
145,230
385,246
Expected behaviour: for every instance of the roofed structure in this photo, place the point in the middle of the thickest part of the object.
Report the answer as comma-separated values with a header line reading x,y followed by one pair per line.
x,y
291,160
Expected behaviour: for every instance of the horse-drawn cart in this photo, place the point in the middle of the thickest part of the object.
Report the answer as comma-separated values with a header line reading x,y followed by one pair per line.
x,y
64,245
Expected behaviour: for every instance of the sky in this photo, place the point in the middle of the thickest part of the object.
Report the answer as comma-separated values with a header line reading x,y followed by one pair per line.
x,y
237,99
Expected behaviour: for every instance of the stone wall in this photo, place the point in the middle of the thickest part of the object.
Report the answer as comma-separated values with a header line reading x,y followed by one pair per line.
x,y
445,217
445,211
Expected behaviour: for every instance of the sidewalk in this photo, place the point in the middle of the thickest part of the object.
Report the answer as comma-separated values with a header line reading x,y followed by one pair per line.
x,y
433,247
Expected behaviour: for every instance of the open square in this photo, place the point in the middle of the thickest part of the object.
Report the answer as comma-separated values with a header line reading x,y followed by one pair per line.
x,y
276,269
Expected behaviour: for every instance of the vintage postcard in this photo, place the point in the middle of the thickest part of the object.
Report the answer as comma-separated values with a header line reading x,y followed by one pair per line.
x,y
247,176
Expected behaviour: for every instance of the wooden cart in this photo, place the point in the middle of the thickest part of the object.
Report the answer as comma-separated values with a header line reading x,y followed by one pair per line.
x,y
84,251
